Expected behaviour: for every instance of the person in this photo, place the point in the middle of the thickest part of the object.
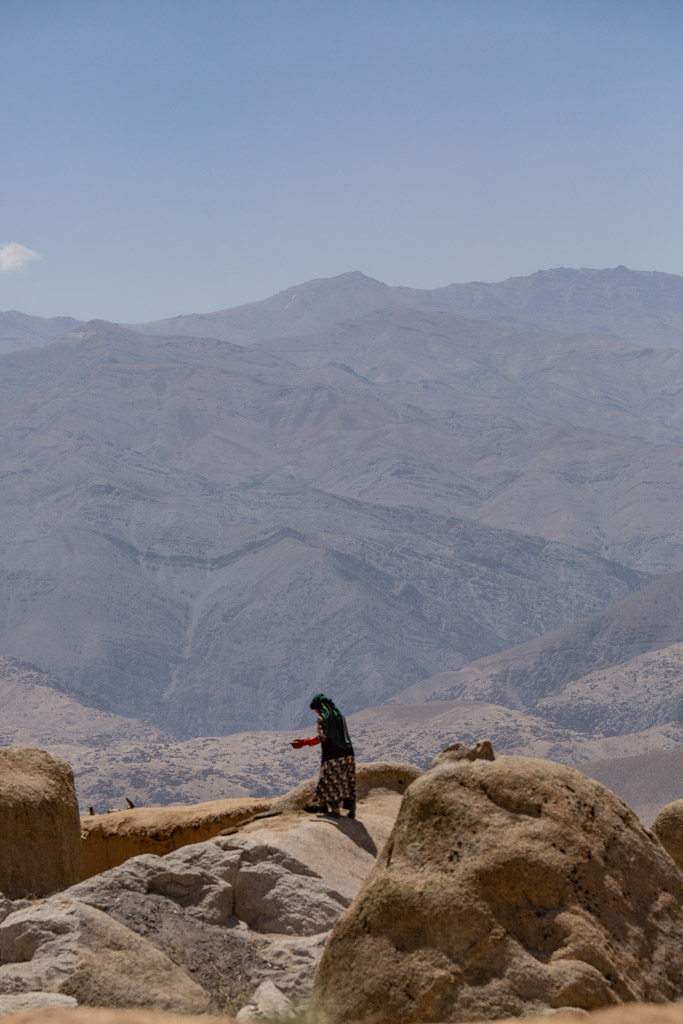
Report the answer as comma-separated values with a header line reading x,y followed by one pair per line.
x,y
337,782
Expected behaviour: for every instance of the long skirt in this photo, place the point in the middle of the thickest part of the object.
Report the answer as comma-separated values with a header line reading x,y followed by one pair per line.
x,y
337,781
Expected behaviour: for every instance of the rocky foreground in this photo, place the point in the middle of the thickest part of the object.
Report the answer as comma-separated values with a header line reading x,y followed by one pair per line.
x,y
484,889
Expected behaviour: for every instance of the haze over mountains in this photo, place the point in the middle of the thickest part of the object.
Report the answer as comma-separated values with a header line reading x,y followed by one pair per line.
x,y
620,303
357,488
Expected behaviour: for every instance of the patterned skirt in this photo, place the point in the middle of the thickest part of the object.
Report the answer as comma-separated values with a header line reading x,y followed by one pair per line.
x,y
337,781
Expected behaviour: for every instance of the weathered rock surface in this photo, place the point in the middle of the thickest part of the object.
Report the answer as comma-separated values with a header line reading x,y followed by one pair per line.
x,y
507,887
668,828
61,945
110,839
246,908
40,850
11,906
268,1001
35,1001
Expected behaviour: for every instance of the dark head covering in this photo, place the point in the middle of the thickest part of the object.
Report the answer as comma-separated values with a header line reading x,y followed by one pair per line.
x,y
333,720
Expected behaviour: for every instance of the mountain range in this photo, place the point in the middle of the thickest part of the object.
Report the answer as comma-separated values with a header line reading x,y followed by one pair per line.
x,y
458,511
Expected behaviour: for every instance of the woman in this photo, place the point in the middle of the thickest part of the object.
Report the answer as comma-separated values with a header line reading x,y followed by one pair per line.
x,y
337,783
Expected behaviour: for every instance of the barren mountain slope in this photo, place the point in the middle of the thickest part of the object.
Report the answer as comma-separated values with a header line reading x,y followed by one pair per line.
x,y
637,694
297,310
506,458
573,438
202,534
586,380
645,307
647,782
160,479
617,497
115,757
640,306
193,587
648,620
19,331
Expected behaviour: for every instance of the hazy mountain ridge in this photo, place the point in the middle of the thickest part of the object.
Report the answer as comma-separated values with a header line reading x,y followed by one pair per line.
x,y
580,380
112,385
19,330
298,310
643,307
558,675
201,533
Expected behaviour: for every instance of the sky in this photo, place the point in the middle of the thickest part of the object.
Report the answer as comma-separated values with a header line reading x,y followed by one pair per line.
x,y
176,156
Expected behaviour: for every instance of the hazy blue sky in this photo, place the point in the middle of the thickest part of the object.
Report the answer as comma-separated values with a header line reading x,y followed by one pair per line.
x,y
177,156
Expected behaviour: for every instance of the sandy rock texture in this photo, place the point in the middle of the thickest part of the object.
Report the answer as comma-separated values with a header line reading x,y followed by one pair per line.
x,y
629,1013
633,1013
63,946
668,828
40,851
242,917
507,887
99,1015
110,839
35,1001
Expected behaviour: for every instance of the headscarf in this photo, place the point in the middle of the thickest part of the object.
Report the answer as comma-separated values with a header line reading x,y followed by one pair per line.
x,y
333,720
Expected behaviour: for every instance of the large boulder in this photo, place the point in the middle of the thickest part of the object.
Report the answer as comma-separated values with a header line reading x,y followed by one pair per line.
x,y
63,946
245,915
668,828
507,887
40,845
234,911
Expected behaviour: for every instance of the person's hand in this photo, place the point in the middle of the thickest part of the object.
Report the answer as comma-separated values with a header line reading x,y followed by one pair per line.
x,y
297,744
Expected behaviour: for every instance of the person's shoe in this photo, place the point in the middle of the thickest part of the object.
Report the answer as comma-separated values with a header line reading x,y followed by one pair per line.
x,y
352,810
334,813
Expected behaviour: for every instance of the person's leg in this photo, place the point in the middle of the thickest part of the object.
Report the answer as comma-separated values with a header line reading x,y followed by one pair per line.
x,y
349,804
326,796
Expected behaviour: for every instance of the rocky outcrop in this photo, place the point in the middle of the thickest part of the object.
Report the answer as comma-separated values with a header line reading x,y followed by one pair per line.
x,y
243,916
40,851
110,839
668,828
507,887
64,946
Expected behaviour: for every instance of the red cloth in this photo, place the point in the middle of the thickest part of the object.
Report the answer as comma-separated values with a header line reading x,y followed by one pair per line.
x,y
311,742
